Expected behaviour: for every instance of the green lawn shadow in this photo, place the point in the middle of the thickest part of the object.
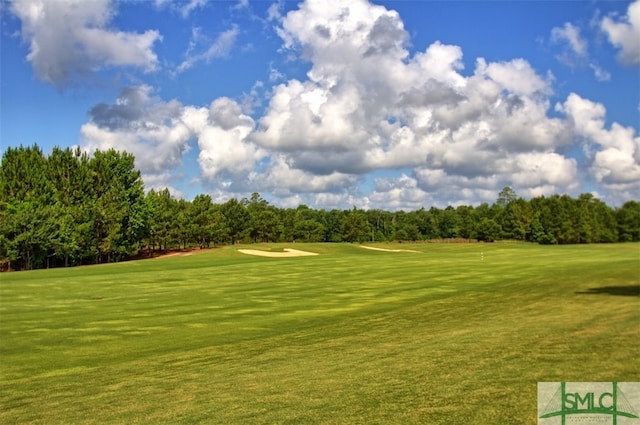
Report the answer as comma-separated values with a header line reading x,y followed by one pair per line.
x,y
629,290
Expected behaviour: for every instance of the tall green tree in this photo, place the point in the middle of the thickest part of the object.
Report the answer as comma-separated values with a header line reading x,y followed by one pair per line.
x,y
308,225
26,197
542,226
466,219
332,222
628,222
183,231
595,221
380,223
70,176
355,227
606,223
202,220
449,223
167,216
153,224
236,219
488,230
506,196
119,208
515,219
256,206
268,225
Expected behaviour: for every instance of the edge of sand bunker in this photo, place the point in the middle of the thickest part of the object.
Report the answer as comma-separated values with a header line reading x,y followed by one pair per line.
x,y
387,250
288,252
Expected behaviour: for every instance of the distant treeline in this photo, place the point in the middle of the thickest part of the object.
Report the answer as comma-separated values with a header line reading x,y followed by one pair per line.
x,y
69,208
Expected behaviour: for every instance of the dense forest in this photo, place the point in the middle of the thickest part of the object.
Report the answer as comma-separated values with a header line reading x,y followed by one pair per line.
x,y
69,208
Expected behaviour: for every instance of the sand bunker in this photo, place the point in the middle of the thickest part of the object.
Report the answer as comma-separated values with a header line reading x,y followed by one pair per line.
x,y
288,252
387,250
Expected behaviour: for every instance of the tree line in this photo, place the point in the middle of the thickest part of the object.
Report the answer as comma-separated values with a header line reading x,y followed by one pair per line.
x,y
69,208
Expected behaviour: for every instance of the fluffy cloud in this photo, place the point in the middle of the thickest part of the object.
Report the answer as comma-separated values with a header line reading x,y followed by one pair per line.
x,y
540,172
399,193
616,161
283,180
368,105
224,150
156,132
159,133
72,38
624,33
516,76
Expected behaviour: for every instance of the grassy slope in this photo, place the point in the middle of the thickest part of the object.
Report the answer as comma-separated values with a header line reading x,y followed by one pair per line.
x,y
350,336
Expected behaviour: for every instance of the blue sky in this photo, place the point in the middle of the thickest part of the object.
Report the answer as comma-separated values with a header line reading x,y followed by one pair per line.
x,y
384,104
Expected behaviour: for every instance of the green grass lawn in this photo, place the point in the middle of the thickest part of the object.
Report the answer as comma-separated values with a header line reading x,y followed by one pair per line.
x,y
454,334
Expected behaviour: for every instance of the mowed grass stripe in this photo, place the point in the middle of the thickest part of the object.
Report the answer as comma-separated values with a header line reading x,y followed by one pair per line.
x,y
453,334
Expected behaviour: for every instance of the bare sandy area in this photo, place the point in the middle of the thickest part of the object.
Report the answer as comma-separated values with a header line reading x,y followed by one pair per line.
x,y
288,252
176,254
387,250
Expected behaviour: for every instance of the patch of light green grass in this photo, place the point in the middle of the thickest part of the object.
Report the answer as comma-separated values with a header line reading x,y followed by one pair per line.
x,y
457,333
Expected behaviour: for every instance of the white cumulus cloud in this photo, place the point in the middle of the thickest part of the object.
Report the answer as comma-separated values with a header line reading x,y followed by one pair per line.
x,y
224,151
369,105
154,131
616,161
624,33
71,39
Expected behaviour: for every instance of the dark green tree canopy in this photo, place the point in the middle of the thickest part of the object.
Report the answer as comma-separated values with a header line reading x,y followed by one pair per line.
x,y
71,208
68,207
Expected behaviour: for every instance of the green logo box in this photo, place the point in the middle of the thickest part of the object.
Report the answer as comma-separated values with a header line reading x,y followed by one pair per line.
x,y
602,403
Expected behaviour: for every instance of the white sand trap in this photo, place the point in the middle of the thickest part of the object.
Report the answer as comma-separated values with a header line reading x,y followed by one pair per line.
x,y
288,252
387,250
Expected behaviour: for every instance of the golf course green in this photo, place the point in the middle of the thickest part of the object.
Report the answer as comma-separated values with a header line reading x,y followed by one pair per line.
x,y
429,333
